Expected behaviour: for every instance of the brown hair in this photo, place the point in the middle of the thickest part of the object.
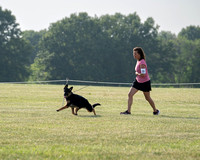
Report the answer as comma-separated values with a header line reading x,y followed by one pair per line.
x,y
140,51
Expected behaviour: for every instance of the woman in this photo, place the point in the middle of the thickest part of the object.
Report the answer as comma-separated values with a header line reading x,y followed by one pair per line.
x,y
142,81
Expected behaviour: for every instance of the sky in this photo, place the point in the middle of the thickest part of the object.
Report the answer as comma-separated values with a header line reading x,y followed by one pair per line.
x,y
170,15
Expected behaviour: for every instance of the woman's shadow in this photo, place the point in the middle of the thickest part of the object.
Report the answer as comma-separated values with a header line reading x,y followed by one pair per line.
x,y
176,117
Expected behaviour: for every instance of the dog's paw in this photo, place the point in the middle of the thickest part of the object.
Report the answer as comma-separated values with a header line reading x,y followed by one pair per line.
x,y
57,110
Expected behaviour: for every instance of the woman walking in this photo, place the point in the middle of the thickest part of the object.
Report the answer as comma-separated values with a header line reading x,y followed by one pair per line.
x,y
142,81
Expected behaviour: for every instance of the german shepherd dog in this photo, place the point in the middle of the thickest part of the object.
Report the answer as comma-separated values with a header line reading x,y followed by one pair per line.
x,y
76,102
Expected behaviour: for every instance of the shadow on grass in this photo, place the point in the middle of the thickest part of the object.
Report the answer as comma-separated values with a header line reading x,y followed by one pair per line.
x,y
165,116
91,116
176,117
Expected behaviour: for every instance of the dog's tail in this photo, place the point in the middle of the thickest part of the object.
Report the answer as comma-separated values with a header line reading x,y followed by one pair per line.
x,y
96,104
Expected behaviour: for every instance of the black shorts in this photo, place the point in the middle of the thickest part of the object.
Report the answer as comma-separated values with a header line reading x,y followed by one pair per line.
x,y
145,87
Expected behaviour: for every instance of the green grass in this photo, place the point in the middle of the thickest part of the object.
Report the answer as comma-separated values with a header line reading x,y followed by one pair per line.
x,y
30,127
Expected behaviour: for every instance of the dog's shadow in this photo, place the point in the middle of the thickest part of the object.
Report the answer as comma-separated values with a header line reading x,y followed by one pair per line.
x,y
89,116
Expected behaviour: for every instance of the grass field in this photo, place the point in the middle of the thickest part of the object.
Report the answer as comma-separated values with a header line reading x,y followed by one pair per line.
x,y
30,127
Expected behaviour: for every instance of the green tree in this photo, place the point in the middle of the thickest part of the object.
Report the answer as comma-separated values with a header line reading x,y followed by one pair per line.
x,y
187,66
127,32
72,42
33,38
187,47
87,48
14,51
190,33
166,58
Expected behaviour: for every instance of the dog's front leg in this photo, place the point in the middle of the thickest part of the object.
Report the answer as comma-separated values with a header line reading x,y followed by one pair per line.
x,y
62,108
76,110
72,110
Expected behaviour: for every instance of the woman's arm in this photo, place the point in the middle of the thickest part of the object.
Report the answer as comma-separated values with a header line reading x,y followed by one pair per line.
x,y
143,71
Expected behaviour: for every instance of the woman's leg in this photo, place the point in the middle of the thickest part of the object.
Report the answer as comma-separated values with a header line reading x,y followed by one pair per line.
x,y
130,97
151,102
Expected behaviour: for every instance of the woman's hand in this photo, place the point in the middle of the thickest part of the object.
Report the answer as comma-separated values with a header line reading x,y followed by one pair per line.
x,y
139,74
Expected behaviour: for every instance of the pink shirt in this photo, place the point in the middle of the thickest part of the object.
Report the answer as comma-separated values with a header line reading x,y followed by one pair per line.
x,y
145,78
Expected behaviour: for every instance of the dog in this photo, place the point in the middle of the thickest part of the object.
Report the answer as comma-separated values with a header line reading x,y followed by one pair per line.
x,y
76,102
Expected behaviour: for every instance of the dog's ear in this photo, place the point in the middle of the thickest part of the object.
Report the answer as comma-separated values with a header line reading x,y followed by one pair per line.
x,y
71,88
66,86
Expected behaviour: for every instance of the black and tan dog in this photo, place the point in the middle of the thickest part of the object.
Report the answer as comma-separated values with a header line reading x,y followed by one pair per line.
x,y
76,102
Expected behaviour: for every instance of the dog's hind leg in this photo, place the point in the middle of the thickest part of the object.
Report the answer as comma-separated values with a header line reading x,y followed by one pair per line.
x,y
62,108
94,112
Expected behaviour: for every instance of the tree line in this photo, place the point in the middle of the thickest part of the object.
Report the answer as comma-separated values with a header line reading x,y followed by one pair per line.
x,y
97,48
